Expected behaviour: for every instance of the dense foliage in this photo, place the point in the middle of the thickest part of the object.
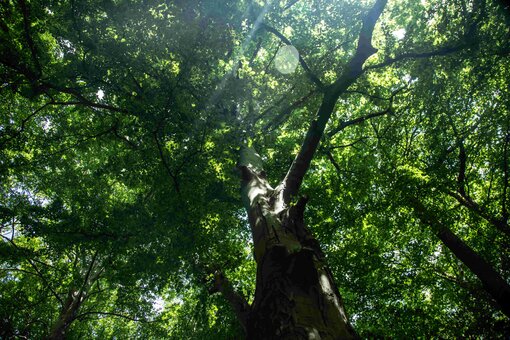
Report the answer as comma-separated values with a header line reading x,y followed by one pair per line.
x,y
120,130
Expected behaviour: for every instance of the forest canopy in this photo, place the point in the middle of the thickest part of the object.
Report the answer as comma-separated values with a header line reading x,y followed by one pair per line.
x,y
208,169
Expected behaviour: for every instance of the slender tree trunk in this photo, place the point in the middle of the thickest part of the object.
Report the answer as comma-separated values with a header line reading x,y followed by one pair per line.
x,y
492,281
296,297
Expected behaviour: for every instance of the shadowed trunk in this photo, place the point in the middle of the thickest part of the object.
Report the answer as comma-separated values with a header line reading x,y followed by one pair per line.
x,y
296,297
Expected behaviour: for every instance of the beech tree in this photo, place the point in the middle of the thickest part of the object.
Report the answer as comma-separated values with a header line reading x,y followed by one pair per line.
x,y
254,169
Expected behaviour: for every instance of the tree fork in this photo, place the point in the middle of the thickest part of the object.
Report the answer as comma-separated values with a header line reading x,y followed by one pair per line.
x,y
295,297
67,316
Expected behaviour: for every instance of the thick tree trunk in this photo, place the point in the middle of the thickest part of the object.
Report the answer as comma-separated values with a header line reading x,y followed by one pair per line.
x,y
73,302
492,281
296,297
67,316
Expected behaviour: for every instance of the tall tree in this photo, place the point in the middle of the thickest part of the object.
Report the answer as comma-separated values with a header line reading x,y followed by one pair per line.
x,y
125,123
296,297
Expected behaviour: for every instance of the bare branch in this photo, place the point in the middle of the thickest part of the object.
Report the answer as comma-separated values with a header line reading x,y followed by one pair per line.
x,y
32,264
463,284
165,163
464,198
19,270
275,122
303,63
504,211
272,58
437,53
358,120
87,138
359,140
290,4
366,94
81,100
87,276
256,51
82,315
23,124
333,49
332,160
64,103
467,202
273,106
461,178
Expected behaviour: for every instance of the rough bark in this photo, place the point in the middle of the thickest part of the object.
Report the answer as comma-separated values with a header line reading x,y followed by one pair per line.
x,y
492,281
296,297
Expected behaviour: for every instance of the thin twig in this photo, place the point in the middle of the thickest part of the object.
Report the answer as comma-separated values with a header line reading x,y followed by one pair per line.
x,y
303,63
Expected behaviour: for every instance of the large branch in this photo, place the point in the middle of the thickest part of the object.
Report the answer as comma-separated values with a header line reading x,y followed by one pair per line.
x,y
28,37
492,281
292,181
237,302
463,196
469,203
